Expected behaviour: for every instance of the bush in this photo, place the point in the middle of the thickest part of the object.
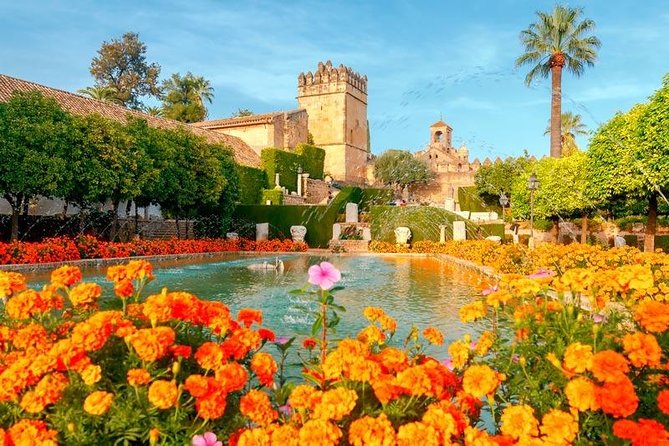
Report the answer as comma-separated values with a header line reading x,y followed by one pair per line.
x,y
312,159
251,183
273,195
374,197
284,163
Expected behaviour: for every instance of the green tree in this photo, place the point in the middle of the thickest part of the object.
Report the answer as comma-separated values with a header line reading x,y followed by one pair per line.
x,y
154,111
562,191
555,41
106,94
399,169
571,125
184,97
35,139
497,178
241,112
121,65
628,157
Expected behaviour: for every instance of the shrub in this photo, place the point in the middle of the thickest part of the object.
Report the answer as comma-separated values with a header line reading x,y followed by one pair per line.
x,y
275,196
312,159
251,183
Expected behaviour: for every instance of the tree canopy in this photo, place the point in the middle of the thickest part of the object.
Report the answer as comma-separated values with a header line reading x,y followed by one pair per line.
x,y
184,97
498,177
121,65
399,168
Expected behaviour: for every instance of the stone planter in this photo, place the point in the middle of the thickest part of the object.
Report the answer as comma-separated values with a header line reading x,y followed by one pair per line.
x,y
349,245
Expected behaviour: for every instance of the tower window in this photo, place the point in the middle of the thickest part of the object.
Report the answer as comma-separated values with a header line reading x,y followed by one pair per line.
x,y
438,136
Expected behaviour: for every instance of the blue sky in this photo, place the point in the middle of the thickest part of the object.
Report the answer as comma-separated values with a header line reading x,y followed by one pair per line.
x,y
424,59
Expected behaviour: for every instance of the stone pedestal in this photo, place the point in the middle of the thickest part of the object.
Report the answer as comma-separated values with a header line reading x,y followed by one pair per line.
x,y
459,230
231,235
367,234
449,204
351,213
442,233
336,231
402,235
299,184
298,233
262,231
276,180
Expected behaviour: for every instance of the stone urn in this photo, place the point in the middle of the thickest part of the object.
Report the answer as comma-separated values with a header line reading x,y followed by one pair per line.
x,y
402,235
298,233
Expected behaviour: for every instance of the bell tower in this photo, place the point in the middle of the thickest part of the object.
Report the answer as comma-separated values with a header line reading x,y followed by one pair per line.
x,y
441,133
335,99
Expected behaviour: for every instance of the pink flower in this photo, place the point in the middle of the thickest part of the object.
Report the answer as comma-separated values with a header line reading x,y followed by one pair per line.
x,y
489,290
208,439
542,274
324,275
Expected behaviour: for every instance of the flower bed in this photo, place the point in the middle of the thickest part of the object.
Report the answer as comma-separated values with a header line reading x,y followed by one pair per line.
x,y
170,367
62,249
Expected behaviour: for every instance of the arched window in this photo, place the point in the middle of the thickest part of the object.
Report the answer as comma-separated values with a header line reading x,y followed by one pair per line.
x,y
438,136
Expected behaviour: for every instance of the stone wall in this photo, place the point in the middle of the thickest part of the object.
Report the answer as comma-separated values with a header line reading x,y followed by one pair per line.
x,y
445,185
258,135
317,191
293,200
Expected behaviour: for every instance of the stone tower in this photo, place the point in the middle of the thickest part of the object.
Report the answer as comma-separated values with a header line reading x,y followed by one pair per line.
x,y
440,132
336,102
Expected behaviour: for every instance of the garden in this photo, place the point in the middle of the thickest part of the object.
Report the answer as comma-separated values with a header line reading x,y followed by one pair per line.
x,y
573,352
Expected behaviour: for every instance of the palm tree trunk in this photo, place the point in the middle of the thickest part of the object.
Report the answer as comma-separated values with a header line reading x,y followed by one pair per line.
x,y
556,110
584,228
649,238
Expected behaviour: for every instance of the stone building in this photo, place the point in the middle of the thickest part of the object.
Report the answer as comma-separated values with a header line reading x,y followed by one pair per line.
x,y
332,107
336,101
451,166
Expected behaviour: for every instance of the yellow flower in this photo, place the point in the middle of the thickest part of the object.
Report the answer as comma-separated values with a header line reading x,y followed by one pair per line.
x,y
163,394
412,434
581,394
98,403
433,336
480,380
91,374
368,431
560,427
472,311
335,404
578,358
519,421
459,352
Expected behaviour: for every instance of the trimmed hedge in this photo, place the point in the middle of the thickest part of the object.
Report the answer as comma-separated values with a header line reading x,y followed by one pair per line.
x,y
424,223
273,195
470,200
312,160
284,163
317,219
374,197
251,182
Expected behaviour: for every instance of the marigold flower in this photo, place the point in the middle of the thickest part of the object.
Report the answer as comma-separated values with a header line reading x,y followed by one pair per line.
x,y
645,432
484,343
66,276
368,431
652,315
286,434
335,404
319,432
412,434
578,358
254,437
392,359
618,399
373,313
85,294
98,403
124,288
91,374
309,343
248,316
138,377
371,335
152,343
267,335
257,407
609,366
304,397
31,432
459,352
582,394
442,421
642,349
232,377
264,366
414,381
26,304
212,406
10,283
433,336
388,323
163,394
518,422
480,380
560,427
139,270
473,311
663,401
209,356
385,389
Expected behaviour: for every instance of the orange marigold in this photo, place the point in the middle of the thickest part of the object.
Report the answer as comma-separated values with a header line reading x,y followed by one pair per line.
x,y
652,315
433,336
459,352
578,358
412,434
91,374
473,311
609,366
388,323
254,437
27,304
442,421
152,343
618,399
319,432
66,276
335,404
480,380
212,406
644,433
642,349
519,422
373,313
138,377
581,394
257,407
414,381
663,401
304,397
560,427
209,356
10,283
371,335
285,435
31,432
248,316
163,394
264,366
98,403
369,431
85,294
232,376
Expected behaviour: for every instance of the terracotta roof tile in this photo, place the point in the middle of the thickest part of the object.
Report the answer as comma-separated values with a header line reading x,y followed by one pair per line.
x,y
81,105
242,120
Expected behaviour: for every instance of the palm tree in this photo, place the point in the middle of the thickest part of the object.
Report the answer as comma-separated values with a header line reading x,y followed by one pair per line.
x,y
553,42
571,124
184,96
154,111
107,94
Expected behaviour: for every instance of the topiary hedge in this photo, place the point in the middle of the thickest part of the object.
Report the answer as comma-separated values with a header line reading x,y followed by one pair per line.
x,y
374,197
251,183
273,195
284,163
469,200
312,159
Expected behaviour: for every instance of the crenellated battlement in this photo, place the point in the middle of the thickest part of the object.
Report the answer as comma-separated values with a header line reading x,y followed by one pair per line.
x,y
327,74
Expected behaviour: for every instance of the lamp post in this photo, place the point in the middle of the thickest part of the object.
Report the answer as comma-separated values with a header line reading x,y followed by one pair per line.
x,y
532,185
503,201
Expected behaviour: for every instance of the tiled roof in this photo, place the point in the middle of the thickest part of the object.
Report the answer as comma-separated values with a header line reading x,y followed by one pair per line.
x,y
264,118
81,105
440,123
